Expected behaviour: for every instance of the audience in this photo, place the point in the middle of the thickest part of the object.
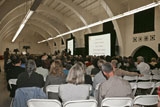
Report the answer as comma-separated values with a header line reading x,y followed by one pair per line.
x,y
114,86
30,78
55,77
73,74
75,89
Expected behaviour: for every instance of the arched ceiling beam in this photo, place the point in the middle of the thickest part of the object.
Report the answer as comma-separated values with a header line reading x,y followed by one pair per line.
x,y
52,23
14,12
13,23
33,27
83,15
116,26
68,22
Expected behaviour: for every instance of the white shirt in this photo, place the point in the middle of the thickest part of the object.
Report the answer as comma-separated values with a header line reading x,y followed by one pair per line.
x,y
88,69
144,68
43,72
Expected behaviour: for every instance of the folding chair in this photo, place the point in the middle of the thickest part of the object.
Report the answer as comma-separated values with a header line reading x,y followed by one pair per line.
x,y
134,87
145,85
96,90
156,77
81,103
12,82
145,100
116,102
43,103
52,88
131,78
155,86
155,72
145,78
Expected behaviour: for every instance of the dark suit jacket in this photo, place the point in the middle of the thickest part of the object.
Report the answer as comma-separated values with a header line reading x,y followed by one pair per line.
x,y
35,80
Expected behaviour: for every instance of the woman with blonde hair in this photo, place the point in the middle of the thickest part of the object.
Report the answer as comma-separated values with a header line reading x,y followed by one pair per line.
x,y
75,89
55,77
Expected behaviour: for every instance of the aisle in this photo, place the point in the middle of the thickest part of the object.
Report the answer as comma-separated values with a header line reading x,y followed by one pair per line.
x,y
4,94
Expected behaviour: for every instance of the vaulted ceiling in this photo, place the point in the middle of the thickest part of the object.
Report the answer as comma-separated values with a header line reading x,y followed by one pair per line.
x,y
54,17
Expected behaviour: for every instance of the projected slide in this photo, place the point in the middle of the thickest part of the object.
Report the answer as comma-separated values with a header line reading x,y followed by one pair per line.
x,y
70,46
100,45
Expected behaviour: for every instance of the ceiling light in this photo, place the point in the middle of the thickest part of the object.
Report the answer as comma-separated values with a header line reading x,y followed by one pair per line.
x,y
154,4
28,15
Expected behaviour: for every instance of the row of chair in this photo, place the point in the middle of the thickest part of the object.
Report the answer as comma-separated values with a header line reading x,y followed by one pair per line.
x,y
134,86
144,100
143,78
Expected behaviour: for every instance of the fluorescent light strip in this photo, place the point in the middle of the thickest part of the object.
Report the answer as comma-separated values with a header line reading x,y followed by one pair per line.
x,y
26,18
154,4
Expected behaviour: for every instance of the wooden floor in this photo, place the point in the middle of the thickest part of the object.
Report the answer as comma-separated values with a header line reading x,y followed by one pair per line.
x,y
4,93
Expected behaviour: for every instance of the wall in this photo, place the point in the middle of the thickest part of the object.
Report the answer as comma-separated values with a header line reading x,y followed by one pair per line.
x,y
126,25
28,38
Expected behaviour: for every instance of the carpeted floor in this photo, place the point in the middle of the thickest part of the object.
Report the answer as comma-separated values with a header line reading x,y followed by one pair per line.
x,y
4,93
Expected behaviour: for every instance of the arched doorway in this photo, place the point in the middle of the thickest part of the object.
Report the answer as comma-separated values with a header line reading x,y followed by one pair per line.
x,y
146,52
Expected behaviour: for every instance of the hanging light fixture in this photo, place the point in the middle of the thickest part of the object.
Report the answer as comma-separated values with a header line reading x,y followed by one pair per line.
x,y
26,18
154,4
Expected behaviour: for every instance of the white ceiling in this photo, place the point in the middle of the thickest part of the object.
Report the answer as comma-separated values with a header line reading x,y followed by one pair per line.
x,y
58,16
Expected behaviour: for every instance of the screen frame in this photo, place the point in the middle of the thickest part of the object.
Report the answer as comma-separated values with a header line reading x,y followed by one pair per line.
x,y
72,38
96,34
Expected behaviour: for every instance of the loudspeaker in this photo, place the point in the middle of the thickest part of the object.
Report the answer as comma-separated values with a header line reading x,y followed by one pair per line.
x,y
159,47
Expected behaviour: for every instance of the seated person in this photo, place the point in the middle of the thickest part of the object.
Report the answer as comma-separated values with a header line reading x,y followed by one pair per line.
x,y
153,63
15,72
99,77
30,78
55,77
41,69
87,78
75,89
114,86
143,67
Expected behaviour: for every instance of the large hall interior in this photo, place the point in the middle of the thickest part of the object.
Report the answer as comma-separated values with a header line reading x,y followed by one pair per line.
x,y
79,53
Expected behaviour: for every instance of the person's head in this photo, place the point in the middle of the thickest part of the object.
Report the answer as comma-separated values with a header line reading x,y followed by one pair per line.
x,y
31,66
82,65
107,69
16,60
56,68
100,63
140,59
76,74
153,59
114,63
7,49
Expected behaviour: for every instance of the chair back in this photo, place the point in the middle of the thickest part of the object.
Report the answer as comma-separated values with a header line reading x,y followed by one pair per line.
x,y
12,82
156,77
43,103
145,78
116,102
131,78
81,103
155,72
134,87
52,88
155,86
146,100
145,85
